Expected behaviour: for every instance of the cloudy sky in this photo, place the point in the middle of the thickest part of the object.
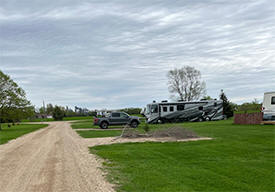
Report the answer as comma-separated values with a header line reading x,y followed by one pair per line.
x,y
116,53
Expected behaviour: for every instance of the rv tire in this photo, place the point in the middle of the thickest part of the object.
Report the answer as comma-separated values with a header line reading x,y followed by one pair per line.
x,y
200,119
207,119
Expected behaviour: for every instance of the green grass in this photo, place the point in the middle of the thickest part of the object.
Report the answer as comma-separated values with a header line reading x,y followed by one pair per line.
x,y
240,158
85,124
77,118
64,119
15,131
95,134
37,120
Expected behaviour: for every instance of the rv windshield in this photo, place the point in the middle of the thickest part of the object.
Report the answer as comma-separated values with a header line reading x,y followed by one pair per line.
x,y
147,110
154,109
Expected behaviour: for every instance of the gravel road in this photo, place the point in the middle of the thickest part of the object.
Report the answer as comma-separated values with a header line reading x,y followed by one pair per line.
x,y
51,159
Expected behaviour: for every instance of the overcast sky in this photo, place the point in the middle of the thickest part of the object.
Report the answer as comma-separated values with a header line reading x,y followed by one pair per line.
x,y
116,53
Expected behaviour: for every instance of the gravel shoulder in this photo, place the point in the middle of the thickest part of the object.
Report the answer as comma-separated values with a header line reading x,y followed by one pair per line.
x,y
55,158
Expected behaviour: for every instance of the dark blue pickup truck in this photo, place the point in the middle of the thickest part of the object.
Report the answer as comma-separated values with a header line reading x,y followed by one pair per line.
x,y
117,118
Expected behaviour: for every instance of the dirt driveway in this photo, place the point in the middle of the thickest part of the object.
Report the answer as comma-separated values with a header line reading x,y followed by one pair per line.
x,y
51,159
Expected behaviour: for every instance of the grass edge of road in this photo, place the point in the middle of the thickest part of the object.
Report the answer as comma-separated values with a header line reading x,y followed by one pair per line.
x,y
10,133
80,118
239,156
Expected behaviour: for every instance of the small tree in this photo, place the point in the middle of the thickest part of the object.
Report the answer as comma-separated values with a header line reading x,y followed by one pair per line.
x,y
227,106
186,83
146,128
58,114
49,109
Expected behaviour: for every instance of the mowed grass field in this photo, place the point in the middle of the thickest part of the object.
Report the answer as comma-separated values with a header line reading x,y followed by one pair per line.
x,y
84,124
239,158
64,119
15,131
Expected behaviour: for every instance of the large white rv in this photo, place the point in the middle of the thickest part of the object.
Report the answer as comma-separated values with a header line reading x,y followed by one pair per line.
x,y
268,107
184,111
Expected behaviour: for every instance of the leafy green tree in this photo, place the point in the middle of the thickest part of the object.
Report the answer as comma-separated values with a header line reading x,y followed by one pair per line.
x,y
42,110
58,113
13,102
50,109
228,109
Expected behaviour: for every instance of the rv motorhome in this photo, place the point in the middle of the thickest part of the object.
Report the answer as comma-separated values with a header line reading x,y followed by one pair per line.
x,y
205,110
268,107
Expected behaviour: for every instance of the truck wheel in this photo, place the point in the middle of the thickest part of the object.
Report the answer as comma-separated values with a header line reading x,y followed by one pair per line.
x,y
134,124
104,125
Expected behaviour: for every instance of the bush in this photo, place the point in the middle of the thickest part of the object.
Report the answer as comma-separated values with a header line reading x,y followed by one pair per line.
x,y
58,114
146,128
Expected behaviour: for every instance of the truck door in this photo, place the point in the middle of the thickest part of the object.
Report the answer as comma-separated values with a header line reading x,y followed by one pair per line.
x,y
115,119
124,118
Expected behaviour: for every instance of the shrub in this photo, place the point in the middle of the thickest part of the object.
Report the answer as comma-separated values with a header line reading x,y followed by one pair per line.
x,y
146,128
58,114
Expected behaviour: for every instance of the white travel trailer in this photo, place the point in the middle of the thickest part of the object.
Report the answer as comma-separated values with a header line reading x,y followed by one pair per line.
x,y
205,110
268,107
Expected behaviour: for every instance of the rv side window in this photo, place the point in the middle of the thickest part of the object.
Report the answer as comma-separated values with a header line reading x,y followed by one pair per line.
x,y
272,100
164,109
180,107
154,109
171,108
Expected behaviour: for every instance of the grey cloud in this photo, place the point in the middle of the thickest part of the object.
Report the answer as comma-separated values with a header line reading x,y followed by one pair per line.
x,y
117,53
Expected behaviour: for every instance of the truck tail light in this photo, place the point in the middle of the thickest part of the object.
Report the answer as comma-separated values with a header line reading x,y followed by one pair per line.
x,y
96,120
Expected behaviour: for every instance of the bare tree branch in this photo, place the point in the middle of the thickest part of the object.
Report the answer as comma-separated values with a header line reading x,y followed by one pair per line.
x,y
186,83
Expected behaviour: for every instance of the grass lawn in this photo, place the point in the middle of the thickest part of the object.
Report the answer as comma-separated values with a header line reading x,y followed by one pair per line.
x,y
95,134
85,124
240,158
17,130
64,119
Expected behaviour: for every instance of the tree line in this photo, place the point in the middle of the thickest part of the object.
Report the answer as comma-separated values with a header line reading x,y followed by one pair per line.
x,y
59,112
184,84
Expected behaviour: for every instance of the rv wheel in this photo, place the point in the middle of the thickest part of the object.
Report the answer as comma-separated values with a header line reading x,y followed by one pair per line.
x,y
207,119
161,121
200,119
